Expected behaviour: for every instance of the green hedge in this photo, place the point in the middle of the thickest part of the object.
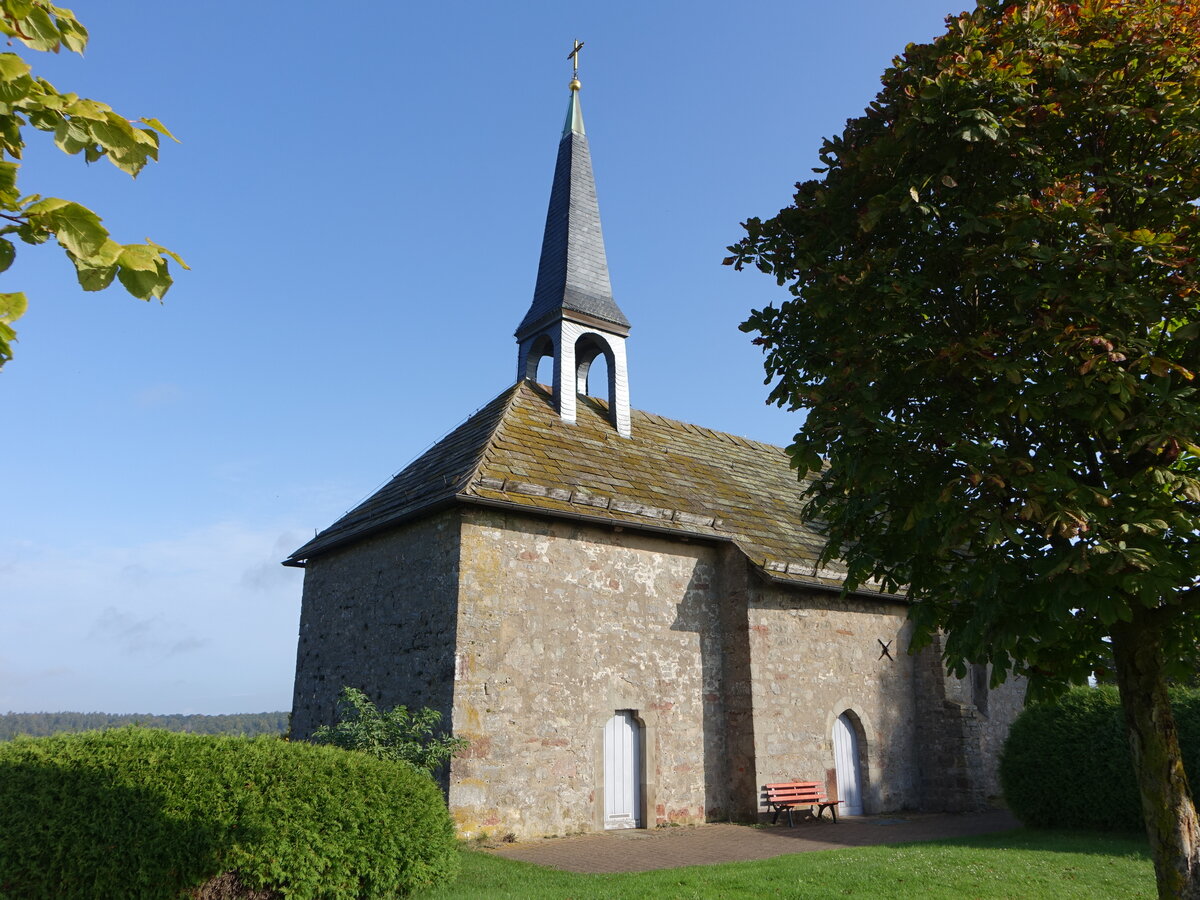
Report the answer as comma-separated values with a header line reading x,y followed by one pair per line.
x,y
1067,764
135,813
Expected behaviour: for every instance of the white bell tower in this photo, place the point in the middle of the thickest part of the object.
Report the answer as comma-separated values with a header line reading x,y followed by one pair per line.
x,y
573,318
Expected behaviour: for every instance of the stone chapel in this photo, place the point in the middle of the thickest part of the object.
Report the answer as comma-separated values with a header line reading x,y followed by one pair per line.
x,y
622,612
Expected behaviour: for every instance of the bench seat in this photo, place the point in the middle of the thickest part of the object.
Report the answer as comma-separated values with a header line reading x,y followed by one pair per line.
x,y
790,795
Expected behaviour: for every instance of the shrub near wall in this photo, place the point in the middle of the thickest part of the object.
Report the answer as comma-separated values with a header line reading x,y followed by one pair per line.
x,y
139,813
1067,764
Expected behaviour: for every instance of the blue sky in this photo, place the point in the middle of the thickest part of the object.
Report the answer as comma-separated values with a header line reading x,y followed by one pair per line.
x,y
360,191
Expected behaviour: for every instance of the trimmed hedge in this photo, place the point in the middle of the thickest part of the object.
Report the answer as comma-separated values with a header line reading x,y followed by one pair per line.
x,y
1067,764
134,812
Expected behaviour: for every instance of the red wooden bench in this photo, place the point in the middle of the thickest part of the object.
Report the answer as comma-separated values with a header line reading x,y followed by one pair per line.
x,y
791,794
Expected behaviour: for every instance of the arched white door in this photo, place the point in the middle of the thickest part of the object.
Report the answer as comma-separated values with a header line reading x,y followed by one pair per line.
x,y
845,760
622,771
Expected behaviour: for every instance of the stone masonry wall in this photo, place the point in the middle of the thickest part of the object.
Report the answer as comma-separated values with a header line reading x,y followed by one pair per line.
x,y
380,616
813,657
950,766
560,625
1004,705
961,727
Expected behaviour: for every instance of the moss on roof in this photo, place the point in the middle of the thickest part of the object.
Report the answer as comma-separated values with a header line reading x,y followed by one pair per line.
x,y
669,476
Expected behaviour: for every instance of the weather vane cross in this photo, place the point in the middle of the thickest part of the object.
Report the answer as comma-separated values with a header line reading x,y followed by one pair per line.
x,y
574,57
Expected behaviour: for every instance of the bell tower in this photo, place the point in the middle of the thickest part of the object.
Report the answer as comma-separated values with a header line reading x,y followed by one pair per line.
x,y
573,318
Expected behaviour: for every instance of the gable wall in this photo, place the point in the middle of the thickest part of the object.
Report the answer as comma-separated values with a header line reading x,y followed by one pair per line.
x,y
561,624
815,655
380,616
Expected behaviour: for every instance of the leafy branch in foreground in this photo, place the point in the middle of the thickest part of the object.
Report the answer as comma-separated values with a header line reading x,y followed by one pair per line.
x,y
79,125
396,734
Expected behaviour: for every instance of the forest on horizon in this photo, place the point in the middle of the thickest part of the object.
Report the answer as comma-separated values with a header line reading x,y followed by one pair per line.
x,y
41,724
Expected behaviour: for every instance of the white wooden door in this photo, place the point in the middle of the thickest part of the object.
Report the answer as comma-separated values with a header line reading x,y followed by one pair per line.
x,y
622,775
845,760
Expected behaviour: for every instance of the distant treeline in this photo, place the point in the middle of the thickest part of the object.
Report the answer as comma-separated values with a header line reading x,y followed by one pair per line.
x,y
41,724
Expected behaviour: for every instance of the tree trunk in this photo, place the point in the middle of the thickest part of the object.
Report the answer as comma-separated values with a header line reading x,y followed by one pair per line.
x,y
1166,799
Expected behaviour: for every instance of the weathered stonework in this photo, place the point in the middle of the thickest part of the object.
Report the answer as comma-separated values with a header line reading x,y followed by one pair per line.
x,y
961,726
816,656
380,617
528,633
560,625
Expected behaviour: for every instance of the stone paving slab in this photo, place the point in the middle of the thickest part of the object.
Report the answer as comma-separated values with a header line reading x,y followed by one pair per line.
x,y
641,850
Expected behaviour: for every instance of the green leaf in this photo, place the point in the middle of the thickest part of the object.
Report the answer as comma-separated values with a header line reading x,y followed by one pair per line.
x,y
94,278
15,91
74,35
89,109
76,227
7,254
143,283
43,34
71,136
159,127
108,255
19,9
41,206
12,307
8,179
875,209
171,253
139,257
12,67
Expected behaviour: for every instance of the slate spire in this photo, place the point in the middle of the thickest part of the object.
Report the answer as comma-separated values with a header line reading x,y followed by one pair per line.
x,y
573,317
573,271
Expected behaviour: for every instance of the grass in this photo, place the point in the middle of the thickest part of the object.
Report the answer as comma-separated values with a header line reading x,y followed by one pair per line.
x,y
1023,865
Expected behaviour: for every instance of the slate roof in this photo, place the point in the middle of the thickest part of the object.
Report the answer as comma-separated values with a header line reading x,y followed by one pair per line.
x,y
573,270
670,477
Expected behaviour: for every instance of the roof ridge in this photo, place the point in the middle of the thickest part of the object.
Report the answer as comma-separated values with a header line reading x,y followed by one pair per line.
x,y
736,439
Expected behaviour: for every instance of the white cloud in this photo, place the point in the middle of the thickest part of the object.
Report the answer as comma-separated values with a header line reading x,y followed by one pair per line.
x,y
202,621
147,634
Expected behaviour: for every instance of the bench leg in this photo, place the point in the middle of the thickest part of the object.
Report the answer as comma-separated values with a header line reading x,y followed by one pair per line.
x,y
775,818
791,824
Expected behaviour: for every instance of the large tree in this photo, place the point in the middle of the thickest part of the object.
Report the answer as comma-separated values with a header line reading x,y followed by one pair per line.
x,y
78,125
994,327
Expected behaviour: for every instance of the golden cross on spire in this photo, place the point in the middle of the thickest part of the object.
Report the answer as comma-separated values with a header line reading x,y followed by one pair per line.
x,y
574,57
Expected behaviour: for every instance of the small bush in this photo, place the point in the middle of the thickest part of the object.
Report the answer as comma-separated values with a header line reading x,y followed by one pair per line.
x,y
140,813
396,734
1067,764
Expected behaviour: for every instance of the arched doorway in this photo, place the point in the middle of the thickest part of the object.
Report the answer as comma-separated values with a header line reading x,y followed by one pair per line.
x,y
846,762
622,771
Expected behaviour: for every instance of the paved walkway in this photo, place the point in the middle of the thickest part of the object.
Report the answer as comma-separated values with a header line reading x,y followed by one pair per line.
x,y
667,848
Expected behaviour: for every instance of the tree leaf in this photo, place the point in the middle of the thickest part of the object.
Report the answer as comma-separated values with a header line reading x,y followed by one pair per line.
x,y
7,254
159,127
76,227
145,284
12,307
12,67
139,257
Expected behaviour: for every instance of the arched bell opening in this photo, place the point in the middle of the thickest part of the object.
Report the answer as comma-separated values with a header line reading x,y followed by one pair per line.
x,y
588,349
537,369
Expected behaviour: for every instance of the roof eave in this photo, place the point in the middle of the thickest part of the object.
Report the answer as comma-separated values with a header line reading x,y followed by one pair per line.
x,y
301,557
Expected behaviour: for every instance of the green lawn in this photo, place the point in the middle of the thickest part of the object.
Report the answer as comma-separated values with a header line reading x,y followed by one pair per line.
x,y
1018,864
